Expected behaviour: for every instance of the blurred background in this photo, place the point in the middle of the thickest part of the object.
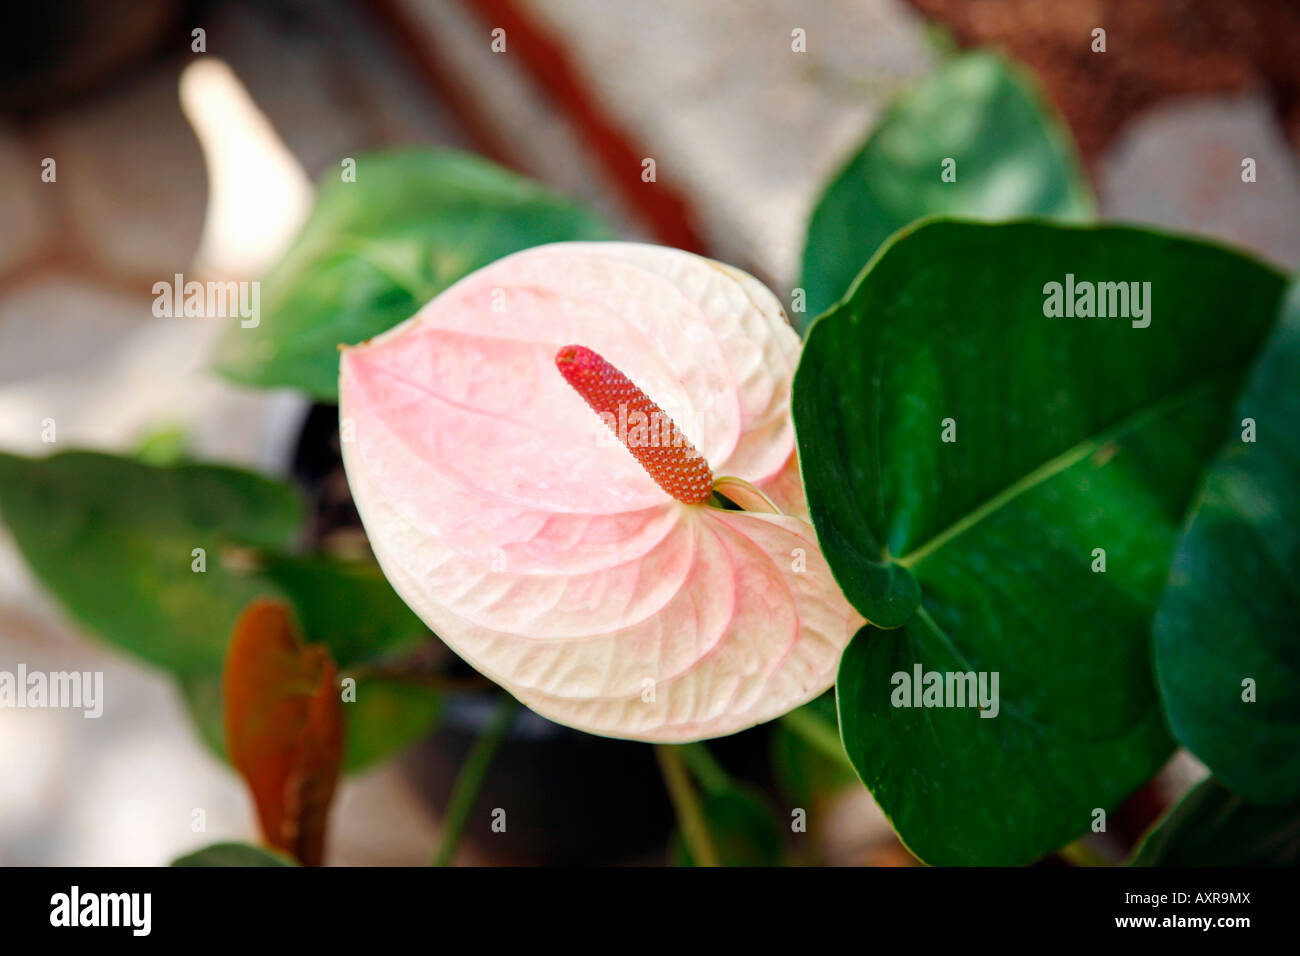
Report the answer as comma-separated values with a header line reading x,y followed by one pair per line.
x,y
187,138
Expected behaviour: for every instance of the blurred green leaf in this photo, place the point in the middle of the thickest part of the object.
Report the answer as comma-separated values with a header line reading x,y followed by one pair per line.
x,y
351,609
1071,434
348,606
742,827
374,251
114,539
806,774
202,699
233,854
1212,826
386,717
1013,158
737,818
1230,612
165,445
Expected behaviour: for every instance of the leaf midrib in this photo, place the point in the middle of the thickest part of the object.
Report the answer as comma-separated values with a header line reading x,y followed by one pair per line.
x,y
1050,469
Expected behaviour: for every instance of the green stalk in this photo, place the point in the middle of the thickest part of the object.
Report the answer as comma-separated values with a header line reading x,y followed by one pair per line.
x,y
470,779
815,732
704,765
686,803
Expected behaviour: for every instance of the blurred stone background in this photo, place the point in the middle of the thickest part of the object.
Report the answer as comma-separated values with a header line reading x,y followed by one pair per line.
x,y
744,134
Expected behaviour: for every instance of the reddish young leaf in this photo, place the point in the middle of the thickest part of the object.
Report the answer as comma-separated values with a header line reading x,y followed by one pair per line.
x,y
284,727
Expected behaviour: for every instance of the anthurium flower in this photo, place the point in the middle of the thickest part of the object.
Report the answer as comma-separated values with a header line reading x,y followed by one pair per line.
x,y
534,454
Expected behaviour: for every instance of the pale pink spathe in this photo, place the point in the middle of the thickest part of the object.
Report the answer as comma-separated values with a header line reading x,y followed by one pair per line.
x,y
534,544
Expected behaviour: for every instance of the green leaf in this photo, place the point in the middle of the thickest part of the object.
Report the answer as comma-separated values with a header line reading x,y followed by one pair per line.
x,y
233,854
1231,611
385,719
742,827
202,699
352,609
737,818
374,251
348,606
1212,826
113,539
1072,434
1013,158
164,445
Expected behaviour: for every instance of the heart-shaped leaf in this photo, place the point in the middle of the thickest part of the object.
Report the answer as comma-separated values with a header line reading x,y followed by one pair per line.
x,y
974,139
1212,826
375,250
1227,635
1005,485
284,727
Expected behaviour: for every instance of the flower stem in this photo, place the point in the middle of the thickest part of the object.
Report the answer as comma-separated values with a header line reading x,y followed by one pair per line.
x,y
686,803
705,766
817,733
721,484
470,779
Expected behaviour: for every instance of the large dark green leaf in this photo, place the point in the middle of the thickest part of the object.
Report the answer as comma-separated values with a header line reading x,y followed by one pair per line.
x,y
375,250
1013,158
1230,617
113,538
1212,826
1072,434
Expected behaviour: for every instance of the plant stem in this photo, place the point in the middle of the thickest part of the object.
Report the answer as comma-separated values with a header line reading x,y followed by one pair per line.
x,y
725,480
815,732
704,765
695,831
470,779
